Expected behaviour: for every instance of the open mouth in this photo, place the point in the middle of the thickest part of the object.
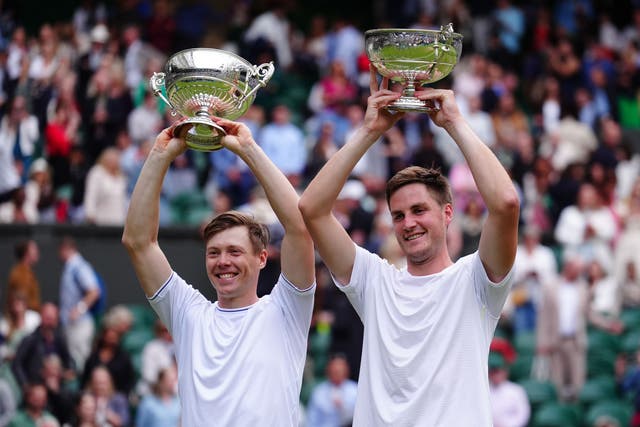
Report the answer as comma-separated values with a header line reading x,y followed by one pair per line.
x,y
226,275
414,236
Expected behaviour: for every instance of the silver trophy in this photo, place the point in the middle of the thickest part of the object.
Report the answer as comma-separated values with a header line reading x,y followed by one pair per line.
x,y
201,83
413,57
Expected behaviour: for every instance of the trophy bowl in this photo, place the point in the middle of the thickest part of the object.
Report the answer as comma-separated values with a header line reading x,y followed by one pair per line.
x,y
413,57
200,83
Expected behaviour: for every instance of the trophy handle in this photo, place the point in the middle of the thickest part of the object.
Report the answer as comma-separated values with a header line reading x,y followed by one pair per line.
x,y
157,83
446,32
264,73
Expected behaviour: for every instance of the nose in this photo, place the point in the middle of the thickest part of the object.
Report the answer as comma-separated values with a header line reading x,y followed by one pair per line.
x,y
409,222
223,259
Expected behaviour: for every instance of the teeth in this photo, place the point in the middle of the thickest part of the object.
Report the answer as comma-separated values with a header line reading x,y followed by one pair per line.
x,y
226,275
413,237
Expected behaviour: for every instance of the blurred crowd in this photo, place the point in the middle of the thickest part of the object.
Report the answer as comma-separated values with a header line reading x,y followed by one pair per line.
x,y
552,87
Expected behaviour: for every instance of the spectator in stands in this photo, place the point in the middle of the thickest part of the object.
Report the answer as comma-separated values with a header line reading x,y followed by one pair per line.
x,y
157,355
160,28
273,28
509,26
119,318
283,142
89,61
509,400
323,148
9,174
79,290
588,227
562,327
108,352
231,176
132,158
508,121
373,167
333,89
481,121
17,211
18,52
535,265
571,141
182,177
136,54
112,407
78,170
61,394
345,44
61,133
85,413
34,412
105,194
45,340
145,121
19,133
106,107
40,196
22,277
161,408
333,401
16,323
631,286
606,298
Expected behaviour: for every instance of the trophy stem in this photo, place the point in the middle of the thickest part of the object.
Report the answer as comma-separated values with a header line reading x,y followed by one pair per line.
x,y
200,132
410,90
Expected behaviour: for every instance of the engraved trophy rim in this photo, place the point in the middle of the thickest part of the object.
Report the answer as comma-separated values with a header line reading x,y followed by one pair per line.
x,y
376,31
209,49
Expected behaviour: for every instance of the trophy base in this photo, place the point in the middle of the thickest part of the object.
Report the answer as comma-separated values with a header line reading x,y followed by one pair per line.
x,y
408,104
202,134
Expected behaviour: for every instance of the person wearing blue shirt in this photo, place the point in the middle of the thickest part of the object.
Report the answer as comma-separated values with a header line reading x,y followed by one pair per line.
x,y
162,407
333,401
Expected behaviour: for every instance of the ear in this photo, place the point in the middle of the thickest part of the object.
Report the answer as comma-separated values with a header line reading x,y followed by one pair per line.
x,y
263,255
448,214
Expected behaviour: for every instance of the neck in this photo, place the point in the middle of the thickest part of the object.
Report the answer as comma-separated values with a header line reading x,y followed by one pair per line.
x,y
430,266
237,302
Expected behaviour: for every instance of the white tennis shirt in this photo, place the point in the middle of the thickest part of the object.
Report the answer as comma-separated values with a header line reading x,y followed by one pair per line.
x,y
426,342
240,367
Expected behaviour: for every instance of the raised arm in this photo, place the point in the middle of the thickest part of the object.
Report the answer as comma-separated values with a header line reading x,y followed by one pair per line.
x,y
140,235
296,255
499,237
316,203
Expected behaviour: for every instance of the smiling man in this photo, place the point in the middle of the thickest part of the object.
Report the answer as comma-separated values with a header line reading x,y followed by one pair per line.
x,y
427,327
240,359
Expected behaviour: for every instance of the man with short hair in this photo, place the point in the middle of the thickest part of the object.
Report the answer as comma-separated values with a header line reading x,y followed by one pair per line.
x,y
46,340
79,291
35,411
427,326
240,359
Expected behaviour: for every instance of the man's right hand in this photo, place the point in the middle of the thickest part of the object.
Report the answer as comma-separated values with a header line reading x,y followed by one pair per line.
x,y
167,142
378,119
